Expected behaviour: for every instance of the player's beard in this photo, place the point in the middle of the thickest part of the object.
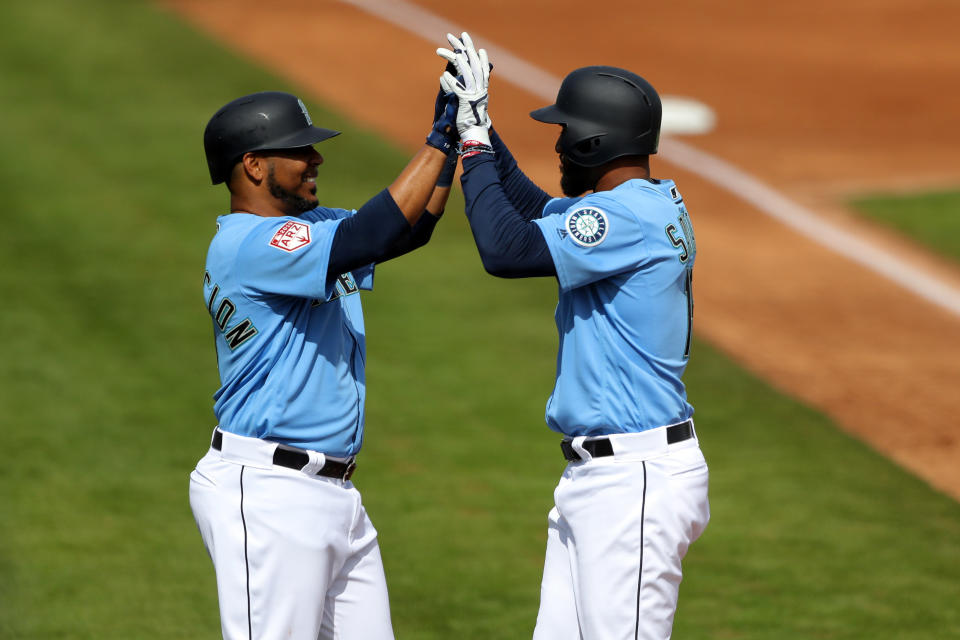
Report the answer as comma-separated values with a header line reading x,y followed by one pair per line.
x,y
295,203
575,179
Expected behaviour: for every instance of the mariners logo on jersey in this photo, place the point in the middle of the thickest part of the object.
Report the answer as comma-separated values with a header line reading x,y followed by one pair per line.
x,y
587,226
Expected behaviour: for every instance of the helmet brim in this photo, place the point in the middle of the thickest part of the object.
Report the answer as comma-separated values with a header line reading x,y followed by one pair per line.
x,y
301,138
550,114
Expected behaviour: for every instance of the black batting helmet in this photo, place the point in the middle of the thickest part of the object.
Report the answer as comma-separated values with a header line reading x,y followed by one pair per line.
x,y
258,122
606,113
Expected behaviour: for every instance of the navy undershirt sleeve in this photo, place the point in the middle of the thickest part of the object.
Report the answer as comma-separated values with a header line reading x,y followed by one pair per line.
x,y
368,235
510,245
528,199
415,238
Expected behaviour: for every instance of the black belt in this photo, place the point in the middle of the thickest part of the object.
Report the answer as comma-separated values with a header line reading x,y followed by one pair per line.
x,y
294,458
602,447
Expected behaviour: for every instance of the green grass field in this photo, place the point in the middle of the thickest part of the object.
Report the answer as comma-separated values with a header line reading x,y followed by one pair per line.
x,y
107,371
932,219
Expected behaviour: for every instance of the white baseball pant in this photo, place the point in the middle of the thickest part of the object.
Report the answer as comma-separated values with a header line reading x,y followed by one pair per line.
x,y
616,536
296,556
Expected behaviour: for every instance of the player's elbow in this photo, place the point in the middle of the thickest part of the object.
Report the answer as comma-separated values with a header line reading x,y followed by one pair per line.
x,y
497,265
495,269
421,239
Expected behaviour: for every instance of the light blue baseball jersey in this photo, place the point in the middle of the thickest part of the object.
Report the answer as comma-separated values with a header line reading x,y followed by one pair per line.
x,y
624,261
290,346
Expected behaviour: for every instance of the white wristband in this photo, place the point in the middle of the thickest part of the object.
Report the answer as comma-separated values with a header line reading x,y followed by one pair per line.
x,y
476,134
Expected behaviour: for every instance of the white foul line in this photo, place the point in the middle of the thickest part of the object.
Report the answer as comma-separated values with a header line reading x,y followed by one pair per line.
x,y
809,224
711,168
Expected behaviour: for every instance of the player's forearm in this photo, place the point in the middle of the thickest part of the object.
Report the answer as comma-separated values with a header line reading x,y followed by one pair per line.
x,y
509,245
414,187
422,230
438,200
527,198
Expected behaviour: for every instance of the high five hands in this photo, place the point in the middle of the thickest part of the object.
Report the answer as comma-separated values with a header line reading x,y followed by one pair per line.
x,y
471,88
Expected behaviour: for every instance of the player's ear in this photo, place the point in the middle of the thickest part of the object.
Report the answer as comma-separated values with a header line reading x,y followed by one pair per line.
x,y
254,166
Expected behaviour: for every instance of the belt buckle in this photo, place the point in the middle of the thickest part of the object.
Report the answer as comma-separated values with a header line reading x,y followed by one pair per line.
x,y
350,469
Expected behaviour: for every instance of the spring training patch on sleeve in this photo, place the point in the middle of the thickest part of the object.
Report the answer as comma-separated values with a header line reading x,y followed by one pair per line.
x,y
291,236
588,226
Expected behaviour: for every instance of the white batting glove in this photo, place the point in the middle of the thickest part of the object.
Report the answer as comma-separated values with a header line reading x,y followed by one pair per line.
x,y
473,67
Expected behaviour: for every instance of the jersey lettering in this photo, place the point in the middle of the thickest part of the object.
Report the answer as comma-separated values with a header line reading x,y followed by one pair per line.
x,y
687,229
678,241
224,313
346,283
240,332
682,238
213,295
688,291
344,287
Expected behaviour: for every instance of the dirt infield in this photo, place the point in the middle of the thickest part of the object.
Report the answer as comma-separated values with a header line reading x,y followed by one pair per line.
x,y
819,101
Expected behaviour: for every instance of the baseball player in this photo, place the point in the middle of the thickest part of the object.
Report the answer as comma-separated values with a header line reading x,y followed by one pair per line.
x,y
633,496
295,553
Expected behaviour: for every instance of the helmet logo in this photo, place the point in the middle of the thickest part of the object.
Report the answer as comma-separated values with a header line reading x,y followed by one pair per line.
x,y
588,226
303,108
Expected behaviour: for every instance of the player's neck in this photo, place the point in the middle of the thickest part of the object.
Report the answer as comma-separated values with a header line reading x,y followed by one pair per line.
x,y
243,203
623,169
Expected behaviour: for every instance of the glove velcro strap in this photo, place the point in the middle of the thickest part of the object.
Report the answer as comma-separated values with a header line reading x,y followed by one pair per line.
x,y
440,140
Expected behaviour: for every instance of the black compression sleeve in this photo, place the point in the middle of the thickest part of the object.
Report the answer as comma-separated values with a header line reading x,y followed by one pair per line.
x,y
368,235
527,198
510,246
